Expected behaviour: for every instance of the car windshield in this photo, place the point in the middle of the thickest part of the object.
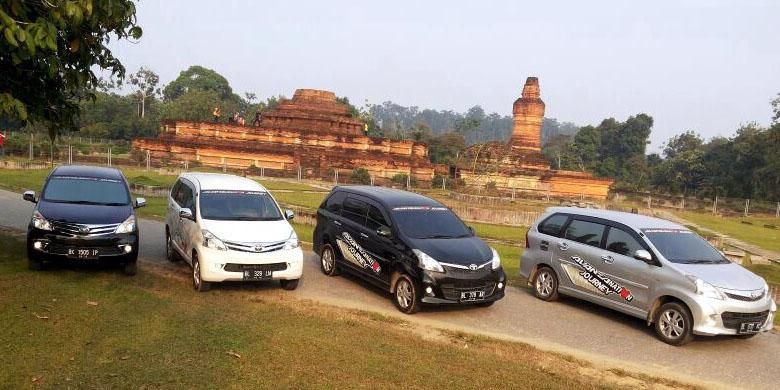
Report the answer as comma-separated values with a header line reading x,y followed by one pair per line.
x,y
684,247
86,190
238,206
430,222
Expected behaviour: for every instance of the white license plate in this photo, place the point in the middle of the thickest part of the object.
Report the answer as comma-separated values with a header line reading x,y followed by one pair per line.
x,y
749,327
258,274
472,295
83,253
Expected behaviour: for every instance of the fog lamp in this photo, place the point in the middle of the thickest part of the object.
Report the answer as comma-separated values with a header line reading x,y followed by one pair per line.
x,y
429,290
500,285
127,248
37,245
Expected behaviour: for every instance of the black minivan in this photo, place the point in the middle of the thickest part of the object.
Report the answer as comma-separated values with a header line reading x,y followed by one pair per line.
x,y
408,244
84,214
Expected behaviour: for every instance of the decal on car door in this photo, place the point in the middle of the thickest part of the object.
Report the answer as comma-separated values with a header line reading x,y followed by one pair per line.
x,y
594,280
356,254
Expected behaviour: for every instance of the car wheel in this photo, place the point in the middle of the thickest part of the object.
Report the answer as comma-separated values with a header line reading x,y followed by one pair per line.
x,y
546,284
197,282
406,298
328,261
170,253
674,324
130,268
289,284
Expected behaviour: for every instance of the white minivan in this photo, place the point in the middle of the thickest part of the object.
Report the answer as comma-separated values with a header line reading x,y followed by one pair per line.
x,y
230,228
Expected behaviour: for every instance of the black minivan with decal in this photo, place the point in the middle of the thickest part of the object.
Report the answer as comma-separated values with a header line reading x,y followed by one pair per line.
x,y
408,244
84,214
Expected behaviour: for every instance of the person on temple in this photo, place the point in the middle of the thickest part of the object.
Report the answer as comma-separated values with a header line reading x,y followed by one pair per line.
x,y
258,117
241,121
217,113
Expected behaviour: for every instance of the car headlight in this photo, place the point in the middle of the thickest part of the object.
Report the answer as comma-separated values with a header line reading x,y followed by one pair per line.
x,y
766,290
39,222
128,226
427,263
292,242
705,289
496,259
211,241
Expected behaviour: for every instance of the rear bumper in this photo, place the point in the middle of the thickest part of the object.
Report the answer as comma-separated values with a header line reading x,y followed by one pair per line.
x,y
446,288
112,248
223,266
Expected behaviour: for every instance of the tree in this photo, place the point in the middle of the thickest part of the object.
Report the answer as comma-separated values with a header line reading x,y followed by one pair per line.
x,y
48,51
682,143
145,80
446,148
199,78
776,108
196,105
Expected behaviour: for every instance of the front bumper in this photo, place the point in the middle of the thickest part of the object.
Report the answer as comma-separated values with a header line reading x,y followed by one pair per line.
x,y
714,317
229,265
112,248
446,288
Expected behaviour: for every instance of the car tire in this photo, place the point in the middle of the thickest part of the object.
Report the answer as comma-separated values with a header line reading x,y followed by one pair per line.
x,y
197,281
170,252
130,268
545,284
406,295
328,261
674,324
289,284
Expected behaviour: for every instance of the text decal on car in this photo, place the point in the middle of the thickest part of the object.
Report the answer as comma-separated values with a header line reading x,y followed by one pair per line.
x,y
356,254
600,281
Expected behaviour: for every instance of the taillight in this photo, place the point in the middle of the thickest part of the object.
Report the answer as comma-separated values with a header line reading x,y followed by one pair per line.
x,y
527,244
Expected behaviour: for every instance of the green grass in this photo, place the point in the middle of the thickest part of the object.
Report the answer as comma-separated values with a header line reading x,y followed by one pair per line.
x,y
305,232
302,199
754,233
275,185
154,332
510,260
156,208
499,232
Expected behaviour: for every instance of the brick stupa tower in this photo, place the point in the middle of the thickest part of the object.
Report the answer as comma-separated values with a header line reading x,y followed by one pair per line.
x,y
527,117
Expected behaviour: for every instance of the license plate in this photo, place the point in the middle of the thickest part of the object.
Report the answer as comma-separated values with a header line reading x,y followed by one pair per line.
x,y
258,274
83,253
749,327
474,295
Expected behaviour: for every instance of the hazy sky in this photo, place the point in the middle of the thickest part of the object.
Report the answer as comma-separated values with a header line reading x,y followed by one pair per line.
x,y
703,65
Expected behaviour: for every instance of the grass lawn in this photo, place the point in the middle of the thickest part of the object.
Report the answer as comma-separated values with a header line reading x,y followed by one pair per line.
x,y
99,329
302,199
274,185
499,232
754,233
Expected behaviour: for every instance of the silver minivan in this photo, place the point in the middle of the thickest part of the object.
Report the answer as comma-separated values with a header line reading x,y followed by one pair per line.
x,y
648,268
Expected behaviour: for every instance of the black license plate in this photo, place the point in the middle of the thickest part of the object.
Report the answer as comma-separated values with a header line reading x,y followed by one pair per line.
x,y
749,327
83,253
258,274
474,295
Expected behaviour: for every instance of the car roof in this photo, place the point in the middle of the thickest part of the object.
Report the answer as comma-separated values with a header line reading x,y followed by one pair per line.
x,y
636,221
88,171
390,197
220,181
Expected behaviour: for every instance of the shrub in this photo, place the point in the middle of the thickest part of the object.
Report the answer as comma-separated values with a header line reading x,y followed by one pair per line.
x,y
401,178
360,175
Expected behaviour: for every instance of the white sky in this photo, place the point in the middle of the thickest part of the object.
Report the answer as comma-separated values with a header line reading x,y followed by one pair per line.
x,y
703,65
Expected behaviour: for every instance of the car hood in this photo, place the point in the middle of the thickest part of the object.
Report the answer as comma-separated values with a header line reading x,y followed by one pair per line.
x,y
729,276
87,214
249,231
463,251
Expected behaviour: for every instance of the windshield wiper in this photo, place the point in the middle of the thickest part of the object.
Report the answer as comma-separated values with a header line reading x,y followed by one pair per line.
x,y
702,262
440,236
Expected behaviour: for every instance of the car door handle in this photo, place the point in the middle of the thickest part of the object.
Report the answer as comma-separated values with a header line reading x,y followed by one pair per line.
x,y
608,259
364,235
563,246
337,223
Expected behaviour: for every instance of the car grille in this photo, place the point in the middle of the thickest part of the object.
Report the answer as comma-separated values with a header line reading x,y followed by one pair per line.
x,y
745,298
452,291
732,319
83,230
255,247
232,267
464,270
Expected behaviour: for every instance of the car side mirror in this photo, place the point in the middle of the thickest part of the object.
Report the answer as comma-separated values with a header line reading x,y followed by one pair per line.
x,y
29,196
643,255
186,214
289,214
471,229
384,231
140,202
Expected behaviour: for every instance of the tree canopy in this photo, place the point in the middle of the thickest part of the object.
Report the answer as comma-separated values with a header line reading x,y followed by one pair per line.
x,y
48,50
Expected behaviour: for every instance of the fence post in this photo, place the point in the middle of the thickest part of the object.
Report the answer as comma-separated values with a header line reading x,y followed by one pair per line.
x,y
262,171
148,158
31,145
715,205
109,157
747,206
408,181
299,173
777,212
649,202
372,179
682,204
444,183
336,176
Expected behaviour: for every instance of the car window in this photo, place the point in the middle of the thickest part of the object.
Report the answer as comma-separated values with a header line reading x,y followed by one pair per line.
x,y
86,190
238,206
187,198
355,210
620,241
175,190
588,233
334,202
375,218
684,247
553,225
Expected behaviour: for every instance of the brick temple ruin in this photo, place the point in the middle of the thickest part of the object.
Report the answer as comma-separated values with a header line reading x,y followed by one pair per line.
x,y
519,165
312,131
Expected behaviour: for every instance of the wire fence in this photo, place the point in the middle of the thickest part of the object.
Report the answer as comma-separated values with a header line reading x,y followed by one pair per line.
x,y
729,207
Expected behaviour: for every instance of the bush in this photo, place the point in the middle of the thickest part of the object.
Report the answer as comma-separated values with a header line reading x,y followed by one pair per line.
x,y
437,181
401,178
491,186
360,175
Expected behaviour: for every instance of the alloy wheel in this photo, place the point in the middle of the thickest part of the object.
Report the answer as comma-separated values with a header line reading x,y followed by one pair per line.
x,y
544,283
672,324
403,293
327,261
